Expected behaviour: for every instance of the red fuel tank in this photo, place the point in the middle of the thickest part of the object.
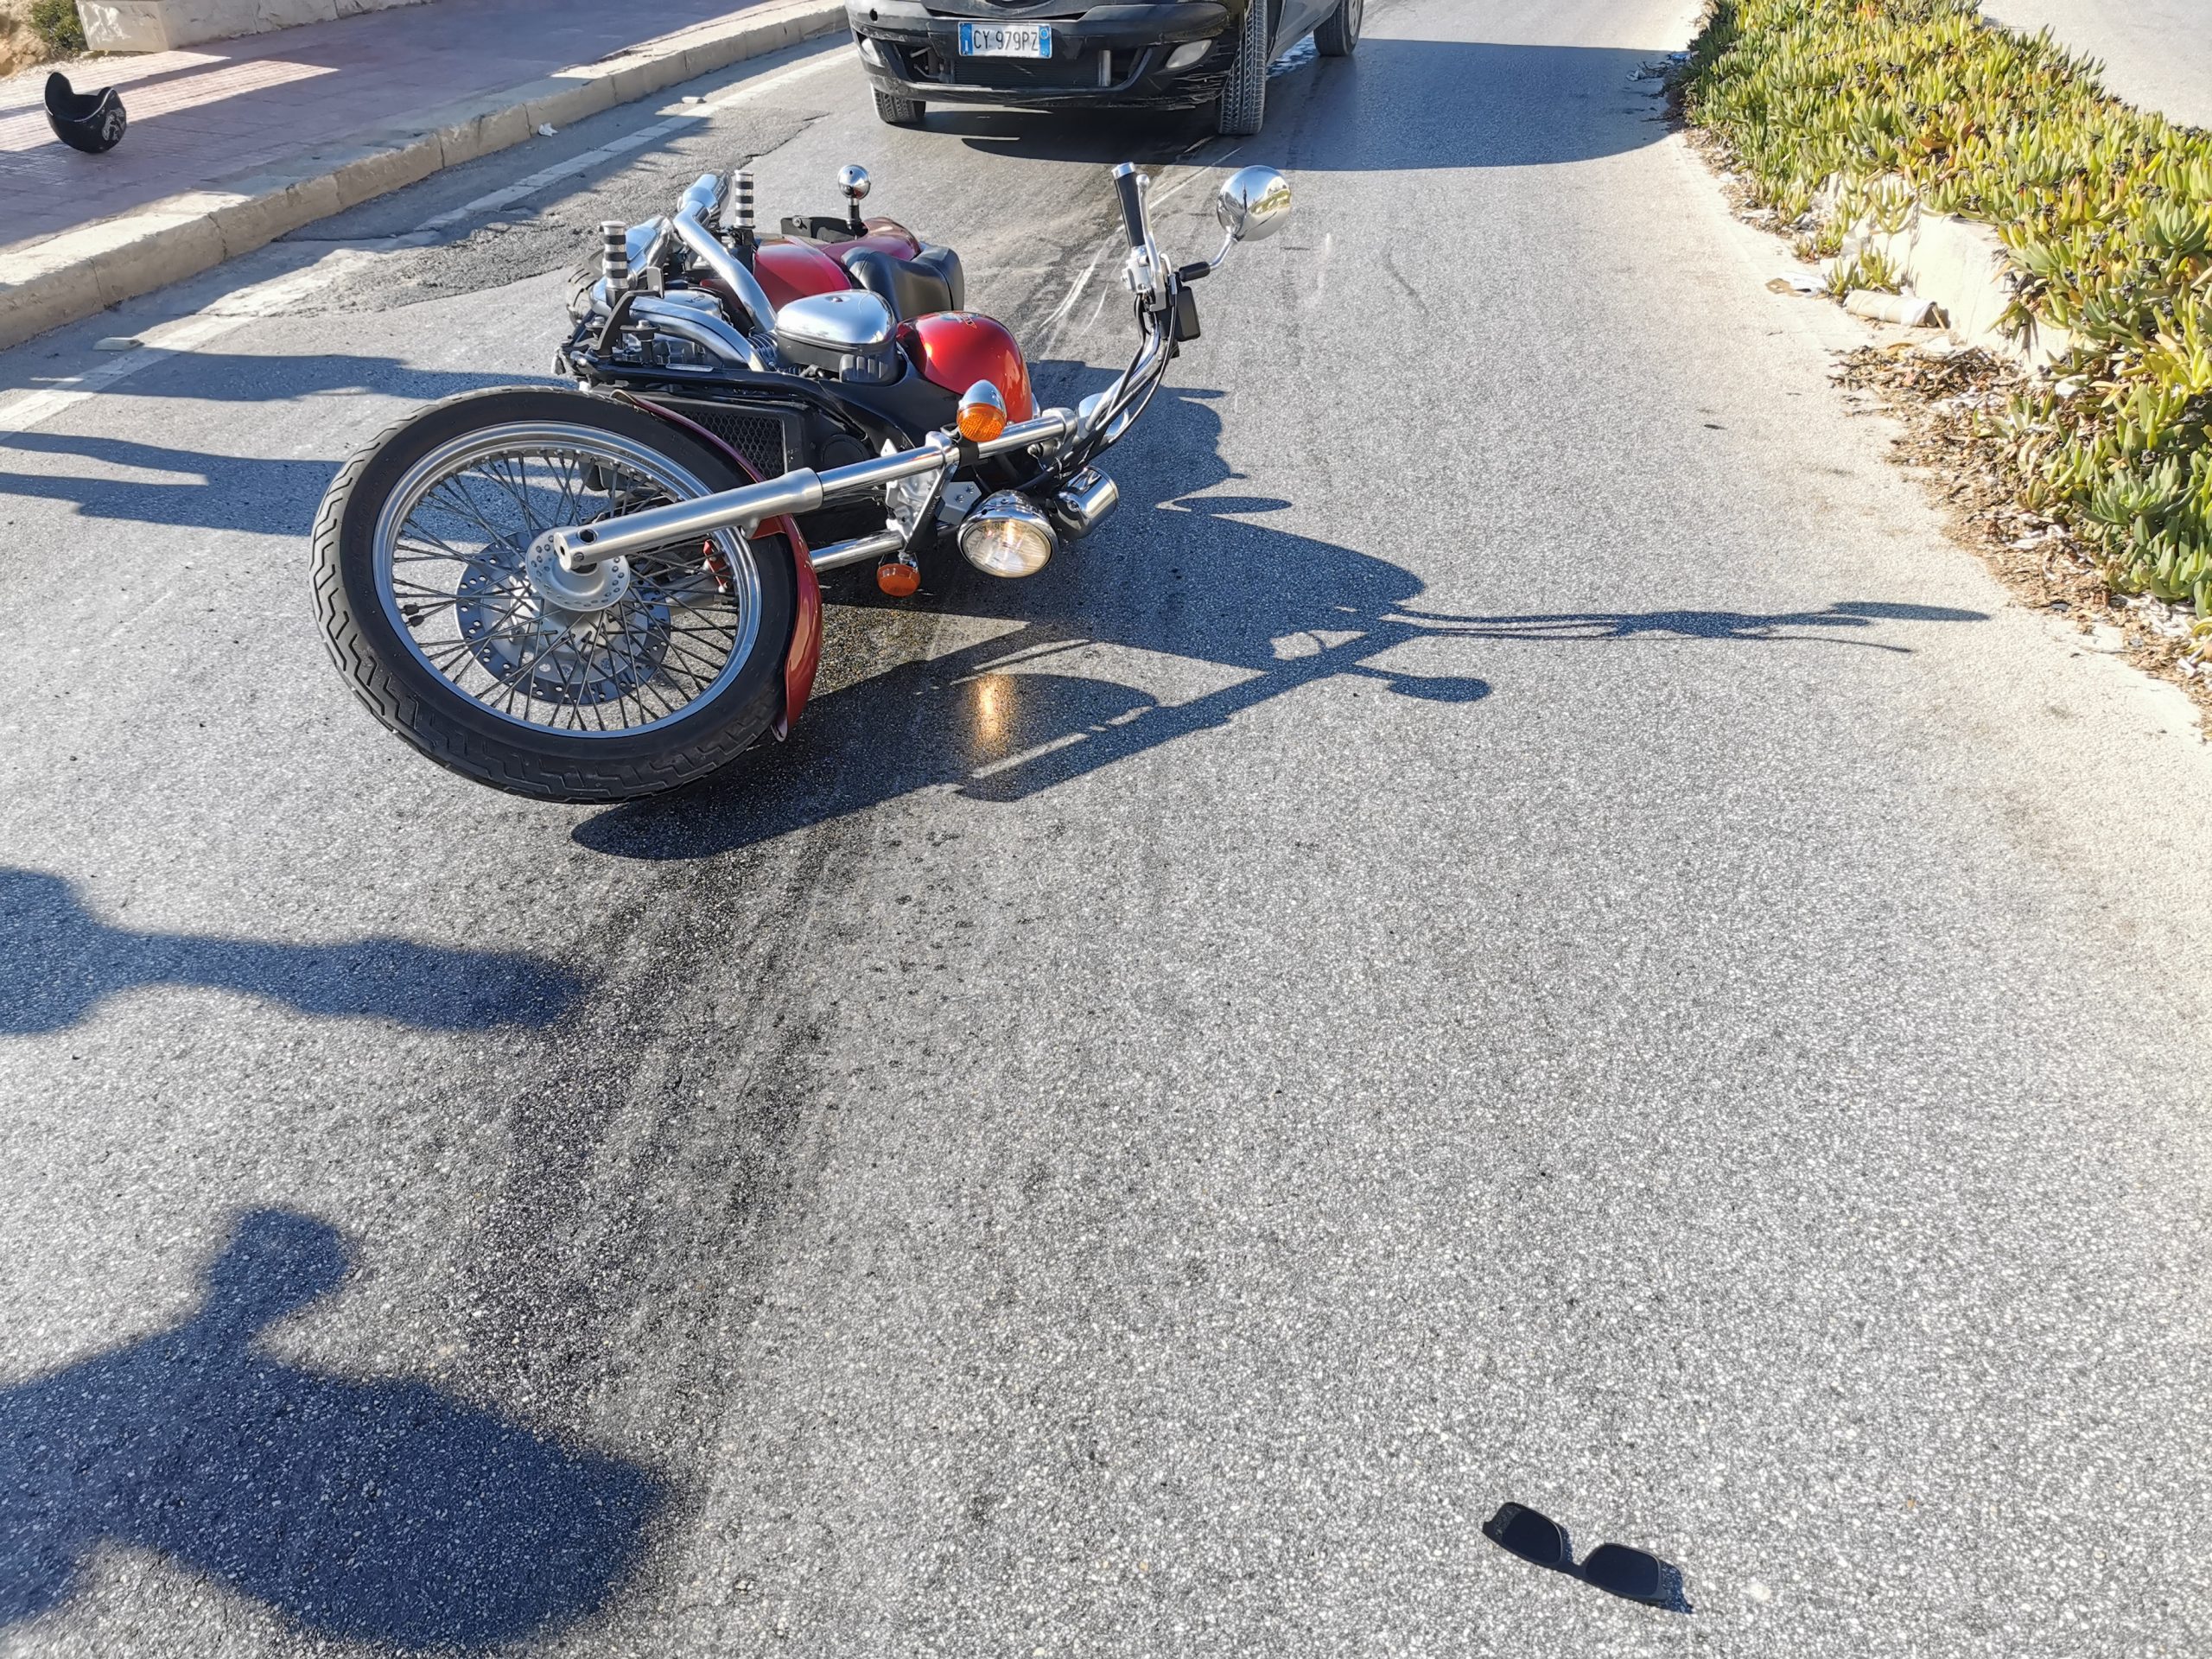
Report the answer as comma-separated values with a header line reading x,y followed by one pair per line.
x,y
957,349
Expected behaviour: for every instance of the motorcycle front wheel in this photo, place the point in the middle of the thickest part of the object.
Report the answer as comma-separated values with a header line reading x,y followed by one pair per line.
x,y
647,674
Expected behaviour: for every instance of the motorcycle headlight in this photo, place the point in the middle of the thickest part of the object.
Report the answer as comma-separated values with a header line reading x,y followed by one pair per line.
x,y
1007,536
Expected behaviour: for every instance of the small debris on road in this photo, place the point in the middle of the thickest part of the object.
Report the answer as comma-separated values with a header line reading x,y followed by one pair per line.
x,y
119,343
1910,309
546,128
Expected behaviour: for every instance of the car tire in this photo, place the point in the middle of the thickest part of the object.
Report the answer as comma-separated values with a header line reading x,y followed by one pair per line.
x,y
1244,104
897,112
1338,36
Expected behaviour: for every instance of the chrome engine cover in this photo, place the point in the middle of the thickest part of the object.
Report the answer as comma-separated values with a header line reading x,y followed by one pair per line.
x,y
848,335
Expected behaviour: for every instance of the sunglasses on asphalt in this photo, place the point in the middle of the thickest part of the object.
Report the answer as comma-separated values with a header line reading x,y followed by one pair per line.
x,y
1634,1574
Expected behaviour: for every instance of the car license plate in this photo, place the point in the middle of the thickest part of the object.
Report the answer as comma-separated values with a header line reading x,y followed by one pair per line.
x,y
1006,40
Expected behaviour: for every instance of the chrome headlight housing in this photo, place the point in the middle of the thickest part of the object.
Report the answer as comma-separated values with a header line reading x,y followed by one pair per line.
x,y
1006,536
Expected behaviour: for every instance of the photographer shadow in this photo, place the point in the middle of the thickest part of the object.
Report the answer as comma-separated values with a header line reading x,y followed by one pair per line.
x,y
58,962
384,1512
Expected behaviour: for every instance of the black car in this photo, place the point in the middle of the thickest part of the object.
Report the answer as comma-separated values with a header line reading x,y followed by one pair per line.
x,y
1173,54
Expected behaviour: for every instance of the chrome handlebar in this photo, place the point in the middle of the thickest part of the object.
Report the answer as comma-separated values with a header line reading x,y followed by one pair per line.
x,y
581,547
1107,415
1252,203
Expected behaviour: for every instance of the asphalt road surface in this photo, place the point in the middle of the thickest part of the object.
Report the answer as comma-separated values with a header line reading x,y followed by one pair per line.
x,y
2155,53
1521,926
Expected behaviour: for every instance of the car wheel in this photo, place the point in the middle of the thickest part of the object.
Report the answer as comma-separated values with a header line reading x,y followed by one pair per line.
x,y
1338,33
1244,99
898,112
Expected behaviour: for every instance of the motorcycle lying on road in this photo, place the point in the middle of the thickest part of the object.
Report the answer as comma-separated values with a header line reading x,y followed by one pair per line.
x,y
600,594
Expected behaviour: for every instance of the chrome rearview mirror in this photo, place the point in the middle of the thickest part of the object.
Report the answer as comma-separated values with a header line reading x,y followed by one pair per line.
x,y
1253,204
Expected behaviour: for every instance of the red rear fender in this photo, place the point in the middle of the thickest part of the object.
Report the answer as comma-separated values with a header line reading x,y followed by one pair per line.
x,y
802,655
791,270
790,267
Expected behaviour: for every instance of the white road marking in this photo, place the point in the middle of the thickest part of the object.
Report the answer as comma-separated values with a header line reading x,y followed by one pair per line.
x,y
179,335
615,148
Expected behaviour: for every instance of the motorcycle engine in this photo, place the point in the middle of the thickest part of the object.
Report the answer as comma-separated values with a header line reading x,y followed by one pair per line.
x,y
848,335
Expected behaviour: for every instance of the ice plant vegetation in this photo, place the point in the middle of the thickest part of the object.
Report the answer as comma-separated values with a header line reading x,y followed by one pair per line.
x,y
1843,110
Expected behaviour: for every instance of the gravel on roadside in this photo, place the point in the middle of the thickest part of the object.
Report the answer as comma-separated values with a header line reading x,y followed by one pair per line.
x,y
22,47
1946,400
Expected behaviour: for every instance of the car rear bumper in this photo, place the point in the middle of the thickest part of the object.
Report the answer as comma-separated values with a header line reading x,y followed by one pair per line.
x,y
1114,56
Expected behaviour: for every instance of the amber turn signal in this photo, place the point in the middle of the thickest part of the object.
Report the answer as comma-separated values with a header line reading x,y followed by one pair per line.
x,y
898,577
982,413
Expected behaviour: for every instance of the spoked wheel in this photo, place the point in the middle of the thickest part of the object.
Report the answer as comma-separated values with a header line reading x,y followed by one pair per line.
x,y
639,676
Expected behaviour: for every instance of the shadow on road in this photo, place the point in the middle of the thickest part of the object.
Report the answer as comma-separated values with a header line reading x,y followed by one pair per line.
x,y
382,1511
1396,104
1192,578
256,377
203,493
211,492
58,962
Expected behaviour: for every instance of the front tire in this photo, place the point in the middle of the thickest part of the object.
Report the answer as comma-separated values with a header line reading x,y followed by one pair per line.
x,y
896,111
1337,35
1244,104
498,668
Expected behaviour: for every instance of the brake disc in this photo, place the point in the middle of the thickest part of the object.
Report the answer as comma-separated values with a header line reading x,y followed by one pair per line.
x,y
552,654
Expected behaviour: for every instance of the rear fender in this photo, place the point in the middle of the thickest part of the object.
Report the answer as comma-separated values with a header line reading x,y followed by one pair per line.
x,y
802,656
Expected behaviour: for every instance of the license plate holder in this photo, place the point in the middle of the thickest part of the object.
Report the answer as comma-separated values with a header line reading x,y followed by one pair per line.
x,y
1006,40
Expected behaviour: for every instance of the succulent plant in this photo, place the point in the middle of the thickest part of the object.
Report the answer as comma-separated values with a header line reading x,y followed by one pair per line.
x,y
1860,111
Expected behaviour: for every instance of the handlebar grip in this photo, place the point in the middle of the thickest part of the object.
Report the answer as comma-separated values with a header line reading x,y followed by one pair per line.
x,y
1128,184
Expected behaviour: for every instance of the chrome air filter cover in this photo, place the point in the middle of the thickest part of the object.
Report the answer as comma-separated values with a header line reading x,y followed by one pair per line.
x,y
847,334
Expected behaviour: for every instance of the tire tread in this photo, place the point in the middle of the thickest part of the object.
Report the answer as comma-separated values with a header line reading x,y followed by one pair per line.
x,y
451,743
1243,107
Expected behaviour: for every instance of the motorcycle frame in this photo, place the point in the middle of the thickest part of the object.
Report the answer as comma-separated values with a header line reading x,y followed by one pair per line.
x,y
1064,442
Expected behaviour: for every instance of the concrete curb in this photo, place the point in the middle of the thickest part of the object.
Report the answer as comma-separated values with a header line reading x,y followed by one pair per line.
x,y
1965,268
65,278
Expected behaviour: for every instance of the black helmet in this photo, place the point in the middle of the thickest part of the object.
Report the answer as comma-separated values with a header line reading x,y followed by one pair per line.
x,y
91,122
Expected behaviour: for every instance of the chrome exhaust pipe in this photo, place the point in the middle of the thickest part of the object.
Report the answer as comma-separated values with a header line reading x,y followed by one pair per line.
x,y
883,543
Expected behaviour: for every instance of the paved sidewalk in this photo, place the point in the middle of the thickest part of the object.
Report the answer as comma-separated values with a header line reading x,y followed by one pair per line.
x,y
2156,54
236,142
210,112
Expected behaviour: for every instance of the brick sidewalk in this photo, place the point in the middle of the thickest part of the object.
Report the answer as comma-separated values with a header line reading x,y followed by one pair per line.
x,y
230,107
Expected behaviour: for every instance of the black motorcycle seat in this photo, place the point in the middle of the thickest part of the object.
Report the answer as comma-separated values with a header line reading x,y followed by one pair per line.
x,y
932,281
